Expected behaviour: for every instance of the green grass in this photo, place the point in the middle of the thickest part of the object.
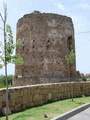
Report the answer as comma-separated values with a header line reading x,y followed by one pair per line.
x,y
52,110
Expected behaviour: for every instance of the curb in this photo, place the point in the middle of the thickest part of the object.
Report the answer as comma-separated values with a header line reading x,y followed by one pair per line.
x,y
71,113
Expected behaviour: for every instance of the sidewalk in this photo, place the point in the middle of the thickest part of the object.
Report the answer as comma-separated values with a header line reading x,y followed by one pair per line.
x,y
80,113
84,115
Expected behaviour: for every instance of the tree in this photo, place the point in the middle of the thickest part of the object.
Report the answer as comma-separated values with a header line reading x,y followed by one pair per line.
x,y
7,51
10,49
70,59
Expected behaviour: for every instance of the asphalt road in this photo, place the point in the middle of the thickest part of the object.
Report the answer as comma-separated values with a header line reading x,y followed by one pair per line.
x,y
84,115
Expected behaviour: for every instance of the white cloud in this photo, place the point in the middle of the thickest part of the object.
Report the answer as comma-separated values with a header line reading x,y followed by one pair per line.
x,y
1,1
60,6
84,6
2,4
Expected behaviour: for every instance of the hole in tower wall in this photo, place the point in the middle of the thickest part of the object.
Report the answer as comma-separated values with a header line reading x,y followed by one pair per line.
x,y
48,44
33,44
69,43
23,48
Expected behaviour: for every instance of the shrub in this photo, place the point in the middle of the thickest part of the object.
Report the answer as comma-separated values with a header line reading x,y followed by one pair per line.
x,y
84,79
3,80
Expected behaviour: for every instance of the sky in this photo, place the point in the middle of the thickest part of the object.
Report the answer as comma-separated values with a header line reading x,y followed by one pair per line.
x,y
78,10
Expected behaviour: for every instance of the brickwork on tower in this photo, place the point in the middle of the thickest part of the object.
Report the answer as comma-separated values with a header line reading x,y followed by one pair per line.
x,y
46,39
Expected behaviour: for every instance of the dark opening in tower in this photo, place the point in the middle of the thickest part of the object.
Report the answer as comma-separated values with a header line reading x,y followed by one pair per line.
x,y
69,43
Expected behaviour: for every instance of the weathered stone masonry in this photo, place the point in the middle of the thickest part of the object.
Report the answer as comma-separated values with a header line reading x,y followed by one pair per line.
x,y
33,95
46,39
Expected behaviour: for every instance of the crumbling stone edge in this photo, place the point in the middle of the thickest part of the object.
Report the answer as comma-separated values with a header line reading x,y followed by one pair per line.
x,y
73,112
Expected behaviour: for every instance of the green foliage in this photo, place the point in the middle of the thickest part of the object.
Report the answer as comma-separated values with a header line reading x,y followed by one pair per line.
x,y
10,46
3,80
70,58
1,65
10,50
84,78
17,59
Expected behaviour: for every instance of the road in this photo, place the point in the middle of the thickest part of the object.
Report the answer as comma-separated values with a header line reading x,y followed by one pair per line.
x,y
84,115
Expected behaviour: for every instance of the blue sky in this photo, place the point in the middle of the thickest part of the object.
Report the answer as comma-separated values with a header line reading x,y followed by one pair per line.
x,y
78,10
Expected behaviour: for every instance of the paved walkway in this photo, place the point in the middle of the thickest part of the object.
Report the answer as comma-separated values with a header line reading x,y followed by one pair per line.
x,y
84,115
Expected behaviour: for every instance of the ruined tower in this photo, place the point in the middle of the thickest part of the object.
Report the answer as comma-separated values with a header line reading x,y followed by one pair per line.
x,y
45,39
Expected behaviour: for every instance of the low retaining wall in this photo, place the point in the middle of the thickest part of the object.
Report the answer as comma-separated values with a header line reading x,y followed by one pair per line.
x,y
27,96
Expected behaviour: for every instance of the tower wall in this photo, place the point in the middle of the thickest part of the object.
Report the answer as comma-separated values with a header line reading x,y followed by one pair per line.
x,y
45,40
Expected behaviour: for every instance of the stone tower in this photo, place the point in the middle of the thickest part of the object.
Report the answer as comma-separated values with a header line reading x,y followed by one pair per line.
x,y
45,39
